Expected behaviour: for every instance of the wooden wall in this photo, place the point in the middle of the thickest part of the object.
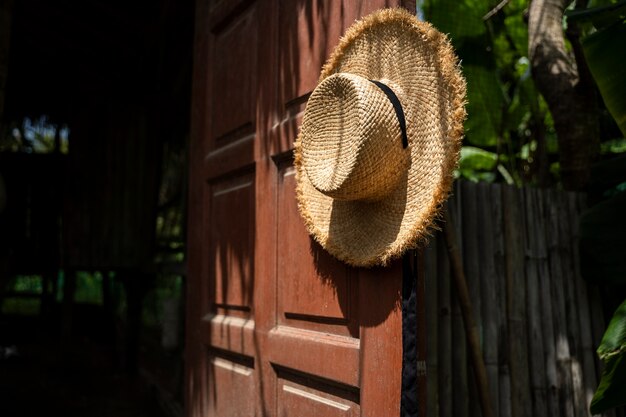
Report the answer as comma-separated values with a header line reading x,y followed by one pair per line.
x,y
118,74
113,176
539,322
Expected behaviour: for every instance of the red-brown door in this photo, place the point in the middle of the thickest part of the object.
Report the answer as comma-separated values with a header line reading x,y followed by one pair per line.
x,y
275,326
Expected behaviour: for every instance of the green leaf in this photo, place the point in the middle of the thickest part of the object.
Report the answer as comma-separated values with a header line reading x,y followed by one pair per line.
x,y
462,19
527,150
478,176
477,164
555,169
614,338
606,57
612,388
485,104
598,3
613,146
506,175
552,143
517,30
477,159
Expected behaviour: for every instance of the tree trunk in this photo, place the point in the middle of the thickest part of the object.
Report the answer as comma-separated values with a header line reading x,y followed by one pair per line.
x,y
564,82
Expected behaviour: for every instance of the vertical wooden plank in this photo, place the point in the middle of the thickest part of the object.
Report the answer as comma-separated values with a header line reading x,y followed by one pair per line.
x,y
432,325
196,367
266,223
504,375
488,288
571,305
444,332
380,343
549,344
535,335
460,392
564,370
471,243
422,341
587,352
516,303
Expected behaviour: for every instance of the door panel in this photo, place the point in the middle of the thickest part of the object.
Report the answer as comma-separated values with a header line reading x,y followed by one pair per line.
x,y
300,396
307,35
234,395
308,32
234,76
315,353
275,325
315,291
231,244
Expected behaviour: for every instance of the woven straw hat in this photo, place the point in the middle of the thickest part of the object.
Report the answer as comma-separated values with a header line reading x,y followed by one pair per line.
x,y
364,194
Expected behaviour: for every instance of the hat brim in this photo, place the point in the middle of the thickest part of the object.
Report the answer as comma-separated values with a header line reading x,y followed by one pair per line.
x,y
391,44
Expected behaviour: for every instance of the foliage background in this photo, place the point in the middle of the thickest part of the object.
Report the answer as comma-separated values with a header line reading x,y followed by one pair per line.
x,y
510,135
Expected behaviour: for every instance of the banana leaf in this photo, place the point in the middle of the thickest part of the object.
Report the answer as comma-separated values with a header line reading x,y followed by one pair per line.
x,y
485,102
477,159
477,164
611,391
605,53
462,20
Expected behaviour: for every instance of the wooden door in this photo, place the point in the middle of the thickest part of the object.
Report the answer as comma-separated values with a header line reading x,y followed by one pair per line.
x,y
275,326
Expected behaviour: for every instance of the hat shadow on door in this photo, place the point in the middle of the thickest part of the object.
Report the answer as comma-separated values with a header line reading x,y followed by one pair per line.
x,y
369,295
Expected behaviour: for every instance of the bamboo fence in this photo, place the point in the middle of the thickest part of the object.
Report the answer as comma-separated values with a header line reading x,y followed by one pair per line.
x,y
539,322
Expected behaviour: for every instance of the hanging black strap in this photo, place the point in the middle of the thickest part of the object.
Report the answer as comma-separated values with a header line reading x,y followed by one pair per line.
x,y
397,106
409,400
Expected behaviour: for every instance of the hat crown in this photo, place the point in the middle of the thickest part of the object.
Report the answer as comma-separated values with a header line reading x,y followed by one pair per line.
x,y
351,139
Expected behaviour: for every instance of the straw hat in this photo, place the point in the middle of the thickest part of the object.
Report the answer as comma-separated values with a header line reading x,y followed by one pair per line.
x,y
364,194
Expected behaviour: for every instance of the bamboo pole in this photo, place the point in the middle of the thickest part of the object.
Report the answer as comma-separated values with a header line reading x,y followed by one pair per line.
x,y
535,334
587,353
516,303
444,330
471,328
460,389
572,308
559,310
470,256
489,290
432,326
497,234
546,301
